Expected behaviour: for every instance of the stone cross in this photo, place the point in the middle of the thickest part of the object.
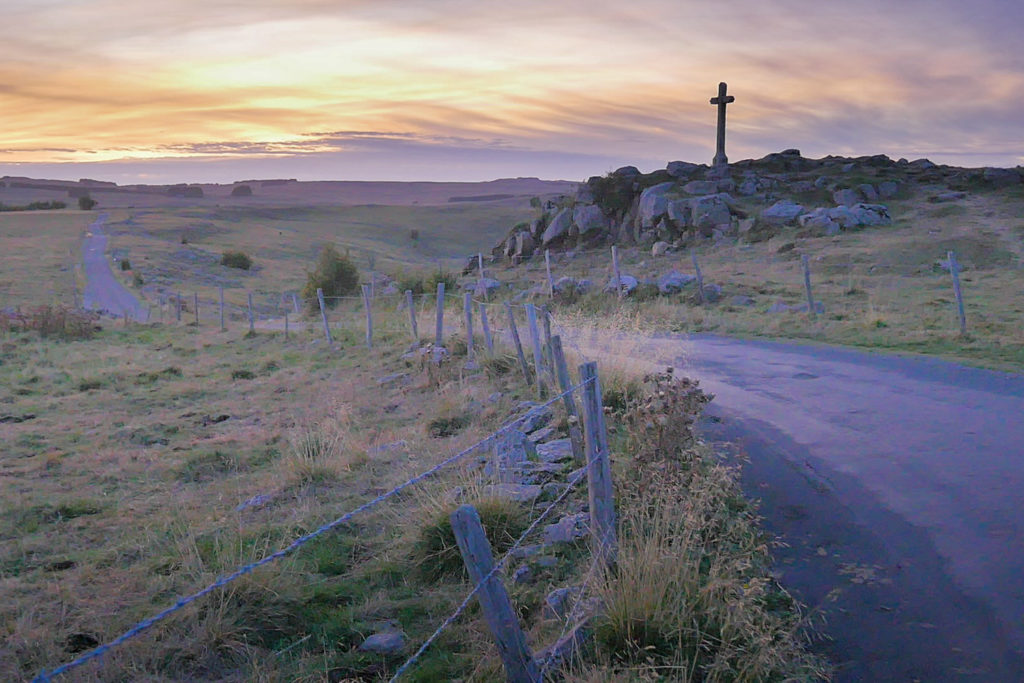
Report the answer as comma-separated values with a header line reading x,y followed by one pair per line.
x,y
721,101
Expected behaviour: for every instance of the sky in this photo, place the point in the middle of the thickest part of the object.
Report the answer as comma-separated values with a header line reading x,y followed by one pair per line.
x,y
224,90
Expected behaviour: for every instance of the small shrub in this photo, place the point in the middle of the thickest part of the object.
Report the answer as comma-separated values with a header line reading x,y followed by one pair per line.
x,y
137,279
335,274
54,321
125,264
236,259
435,552
450,280
447,425
86,203
410,280
414,234
243,374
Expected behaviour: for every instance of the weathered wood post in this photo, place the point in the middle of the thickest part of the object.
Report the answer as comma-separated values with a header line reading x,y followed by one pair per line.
x,y
954,271
501,618
467,309
222,327
323,315
149,313
295,304
700,278
599,475
412,316
286,324
615,271
178,314
547,265
252,316
564,384
518,343
367,296
480,286
488,339
195,306
549,363
161,310
439,324
538,355
807,285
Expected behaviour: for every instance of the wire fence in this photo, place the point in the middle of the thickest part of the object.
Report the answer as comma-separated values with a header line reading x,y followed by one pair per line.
x,y
142,626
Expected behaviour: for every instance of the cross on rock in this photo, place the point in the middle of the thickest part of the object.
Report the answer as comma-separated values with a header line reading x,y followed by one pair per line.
x,y
721,101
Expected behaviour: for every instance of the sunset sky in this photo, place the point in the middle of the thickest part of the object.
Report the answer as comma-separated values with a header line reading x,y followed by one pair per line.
x,y
221,90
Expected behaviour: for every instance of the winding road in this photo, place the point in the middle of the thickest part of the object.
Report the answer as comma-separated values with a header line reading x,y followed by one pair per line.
x,y
897,485
103,292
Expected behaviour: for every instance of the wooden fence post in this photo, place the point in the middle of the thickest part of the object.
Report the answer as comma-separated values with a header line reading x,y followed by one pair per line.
x,y
518,343
615,271
564,384
488,339
501,618
467,308
954,271
412,316
367,296
295,304
807,285
549,363
222,328
547,265
439,325
178,314
538,355
195,305
323,315
149,314
480,286
286,324
252,316
700,278
599,476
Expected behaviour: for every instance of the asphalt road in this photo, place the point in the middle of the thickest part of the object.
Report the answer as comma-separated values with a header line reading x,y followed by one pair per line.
x,y
897,484
103,292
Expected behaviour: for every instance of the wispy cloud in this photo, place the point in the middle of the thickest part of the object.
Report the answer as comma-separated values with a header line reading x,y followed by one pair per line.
x,y
83,79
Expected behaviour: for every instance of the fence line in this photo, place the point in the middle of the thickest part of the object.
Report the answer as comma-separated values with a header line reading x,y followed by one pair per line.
x,y
181,603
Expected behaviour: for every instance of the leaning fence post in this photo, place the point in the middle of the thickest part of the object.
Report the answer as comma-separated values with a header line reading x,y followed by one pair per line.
x,y
295,304
564,383
538,355
467,307
367,295
488,339
439,324
954,270
412,316
700,278
518,343
222,328
195,305
615,271
252,317
549,363
599,475
807,285
547,265
323,315
501,618
149,314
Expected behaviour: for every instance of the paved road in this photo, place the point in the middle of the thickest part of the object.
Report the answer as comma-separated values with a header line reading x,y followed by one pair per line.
x,y
103,292
898,485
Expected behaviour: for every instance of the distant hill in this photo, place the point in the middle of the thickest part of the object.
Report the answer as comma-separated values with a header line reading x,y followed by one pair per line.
x,y
23,190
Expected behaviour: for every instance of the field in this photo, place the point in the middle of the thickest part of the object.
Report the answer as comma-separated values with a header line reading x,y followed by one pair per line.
x,y
40,252
145,462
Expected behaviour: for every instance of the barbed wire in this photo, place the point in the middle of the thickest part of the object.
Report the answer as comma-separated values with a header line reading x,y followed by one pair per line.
x,y
476,589
46,676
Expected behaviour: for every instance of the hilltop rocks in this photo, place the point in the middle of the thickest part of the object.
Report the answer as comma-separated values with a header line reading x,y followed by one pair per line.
x,y
588,219
781,213
653,204
829,221
558,227
709,211
626,282
674,282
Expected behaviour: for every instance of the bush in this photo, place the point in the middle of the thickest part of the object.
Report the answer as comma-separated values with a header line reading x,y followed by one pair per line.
x,y
236,259
450,280
86,203
52,321
335,274
126,264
